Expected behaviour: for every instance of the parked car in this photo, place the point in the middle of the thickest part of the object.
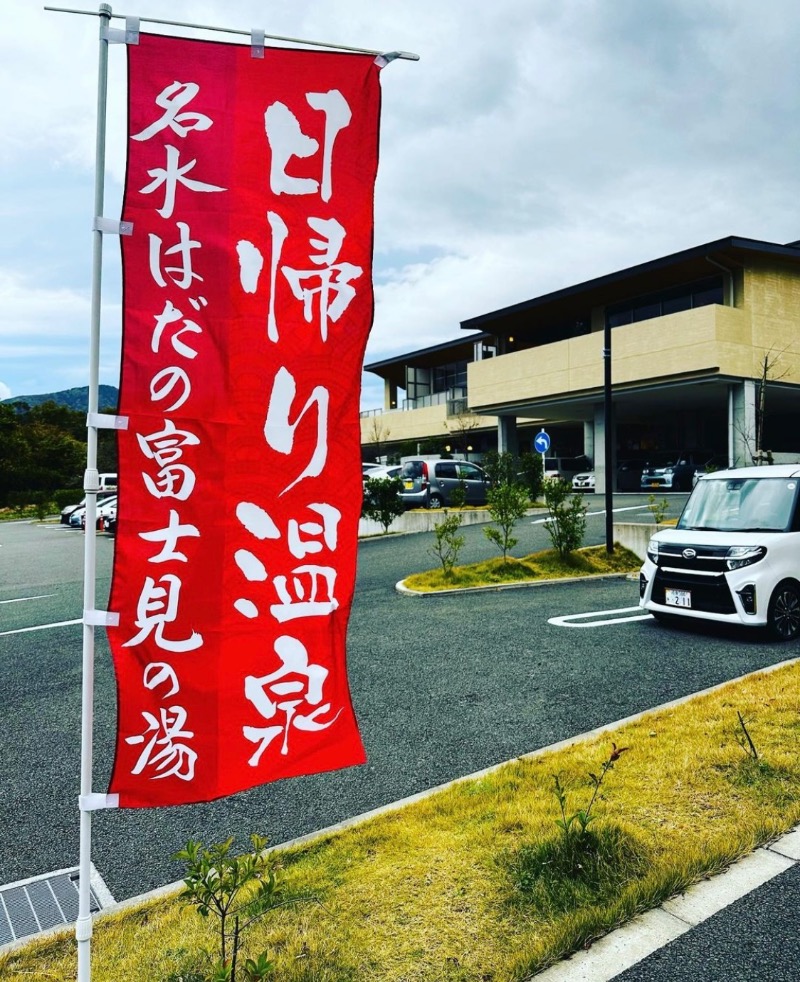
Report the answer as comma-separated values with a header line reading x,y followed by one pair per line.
x,y
430,483
565,468
69,509
717,463
734,556
629,475
381,472
584,482
105,510
676,473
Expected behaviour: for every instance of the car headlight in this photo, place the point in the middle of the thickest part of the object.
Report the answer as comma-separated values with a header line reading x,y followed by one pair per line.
x,y
652,550
739,556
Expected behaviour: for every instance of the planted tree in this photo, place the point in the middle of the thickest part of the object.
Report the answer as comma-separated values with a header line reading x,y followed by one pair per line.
x,y
448,542
507,504
382,502
237,890
532,474
566,523
501,468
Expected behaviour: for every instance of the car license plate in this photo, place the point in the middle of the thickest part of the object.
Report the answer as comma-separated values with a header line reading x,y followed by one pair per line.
x,y
409,485
654,484
678,598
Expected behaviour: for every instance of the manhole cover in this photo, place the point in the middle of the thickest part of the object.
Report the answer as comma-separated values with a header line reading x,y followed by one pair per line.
x,y
42,902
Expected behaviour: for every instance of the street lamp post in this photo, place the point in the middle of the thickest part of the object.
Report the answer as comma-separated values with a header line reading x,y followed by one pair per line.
x,y
608,422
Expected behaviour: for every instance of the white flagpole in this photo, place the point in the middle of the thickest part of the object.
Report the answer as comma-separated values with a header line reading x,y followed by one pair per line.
x,y
83,925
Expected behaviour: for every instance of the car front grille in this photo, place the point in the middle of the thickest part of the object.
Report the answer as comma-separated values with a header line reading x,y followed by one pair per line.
x,y
700,570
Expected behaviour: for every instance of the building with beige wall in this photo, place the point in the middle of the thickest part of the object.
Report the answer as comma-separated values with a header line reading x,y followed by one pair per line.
x,y
704,345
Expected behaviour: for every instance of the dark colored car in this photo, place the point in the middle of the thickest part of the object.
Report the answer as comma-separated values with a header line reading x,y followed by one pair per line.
x,y
629,475
677,472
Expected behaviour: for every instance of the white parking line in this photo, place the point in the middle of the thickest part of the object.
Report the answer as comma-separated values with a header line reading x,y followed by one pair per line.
x,y
19,600
601,618
592,514
40,627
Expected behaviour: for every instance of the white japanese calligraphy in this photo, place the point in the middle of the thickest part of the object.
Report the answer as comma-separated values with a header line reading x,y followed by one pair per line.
x,y
182,276
173,98
284,690
169,536
279,430
287,140
168,316
164,752
170,177
157,608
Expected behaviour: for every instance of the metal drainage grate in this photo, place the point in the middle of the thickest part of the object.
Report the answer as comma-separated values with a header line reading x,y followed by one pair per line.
x,y
43,902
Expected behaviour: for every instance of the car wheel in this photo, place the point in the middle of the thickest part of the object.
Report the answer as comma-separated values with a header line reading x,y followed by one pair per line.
x,y
783,617
435,501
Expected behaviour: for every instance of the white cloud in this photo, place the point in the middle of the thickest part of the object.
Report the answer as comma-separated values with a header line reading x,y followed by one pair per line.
x,y
533,146
5,391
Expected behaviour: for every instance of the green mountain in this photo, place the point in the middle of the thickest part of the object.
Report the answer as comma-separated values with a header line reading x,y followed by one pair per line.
x,y
108,398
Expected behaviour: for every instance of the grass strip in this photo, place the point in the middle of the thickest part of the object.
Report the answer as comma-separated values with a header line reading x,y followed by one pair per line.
x,y
544,565
472,883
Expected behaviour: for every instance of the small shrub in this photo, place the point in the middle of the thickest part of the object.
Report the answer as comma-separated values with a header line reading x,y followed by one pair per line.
x,y
507,504
566,523
575,824
382,502
448,542
238,890
658,509
532,474
458,495
500,467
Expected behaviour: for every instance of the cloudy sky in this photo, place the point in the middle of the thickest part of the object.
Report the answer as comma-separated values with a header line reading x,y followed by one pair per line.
x,y
536,144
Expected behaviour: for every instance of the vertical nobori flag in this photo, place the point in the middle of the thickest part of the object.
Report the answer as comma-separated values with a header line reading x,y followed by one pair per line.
x,y
247,306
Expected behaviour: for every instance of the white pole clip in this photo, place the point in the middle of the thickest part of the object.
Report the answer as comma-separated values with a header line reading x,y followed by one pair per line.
x,y
111,226
94,800
100,618
383,60
107,421
115,35
257,38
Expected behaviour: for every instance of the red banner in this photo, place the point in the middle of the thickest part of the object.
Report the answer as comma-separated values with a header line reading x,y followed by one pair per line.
x,y
247,305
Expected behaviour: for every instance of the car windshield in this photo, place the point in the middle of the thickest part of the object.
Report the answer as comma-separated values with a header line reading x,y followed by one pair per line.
x,y
741,504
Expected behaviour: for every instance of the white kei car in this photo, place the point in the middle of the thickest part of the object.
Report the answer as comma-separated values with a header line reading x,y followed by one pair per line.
x,y
734,556
583,482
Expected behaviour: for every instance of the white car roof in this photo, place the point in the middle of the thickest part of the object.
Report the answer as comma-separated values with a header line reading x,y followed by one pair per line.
x,y
763,470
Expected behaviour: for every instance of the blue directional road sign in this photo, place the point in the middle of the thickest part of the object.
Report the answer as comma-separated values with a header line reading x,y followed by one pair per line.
x,y
542,441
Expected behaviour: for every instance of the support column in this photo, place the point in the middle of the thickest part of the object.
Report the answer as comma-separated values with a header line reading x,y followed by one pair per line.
x,y
507,435
588,440
742,428
599,441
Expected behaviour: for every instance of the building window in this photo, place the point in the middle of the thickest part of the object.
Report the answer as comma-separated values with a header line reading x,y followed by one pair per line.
x,y
684,297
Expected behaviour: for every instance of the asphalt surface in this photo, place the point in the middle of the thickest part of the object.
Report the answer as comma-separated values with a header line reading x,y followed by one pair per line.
x,y
754,938
442,686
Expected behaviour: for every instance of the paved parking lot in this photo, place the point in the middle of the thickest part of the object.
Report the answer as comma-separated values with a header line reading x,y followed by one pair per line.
x,y
442,686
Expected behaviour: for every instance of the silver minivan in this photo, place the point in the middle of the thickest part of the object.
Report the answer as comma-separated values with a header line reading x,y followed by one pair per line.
x,y
429,483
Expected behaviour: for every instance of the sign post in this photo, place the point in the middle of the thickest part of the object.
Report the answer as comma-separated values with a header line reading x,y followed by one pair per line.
x,y
541,443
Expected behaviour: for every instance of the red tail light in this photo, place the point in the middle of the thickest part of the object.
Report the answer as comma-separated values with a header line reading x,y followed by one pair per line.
x,y
425,481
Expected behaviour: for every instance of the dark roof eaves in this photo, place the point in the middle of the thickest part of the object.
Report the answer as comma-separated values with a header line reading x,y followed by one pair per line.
x,y
717,245
406,357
